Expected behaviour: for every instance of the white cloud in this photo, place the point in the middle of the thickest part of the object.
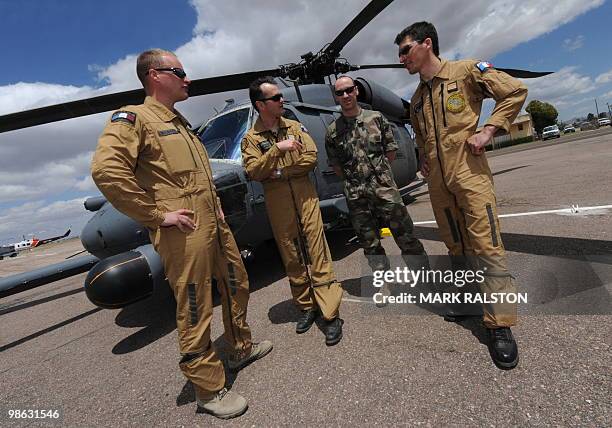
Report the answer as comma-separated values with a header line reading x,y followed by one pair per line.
x,y
43,220
604,77
560,88
573,44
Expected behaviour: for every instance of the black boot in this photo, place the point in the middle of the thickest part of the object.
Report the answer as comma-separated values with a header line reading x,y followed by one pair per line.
x,y
502,348
333,331
305,321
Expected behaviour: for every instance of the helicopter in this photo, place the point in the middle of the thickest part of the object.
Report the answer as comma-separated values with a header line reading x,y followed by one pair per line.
x,y
124,267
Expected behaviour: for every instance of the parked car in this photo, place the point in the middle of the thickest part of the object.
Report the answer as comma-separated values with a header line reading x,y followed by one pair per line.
x,y
604,121
551,131
587,126
568,129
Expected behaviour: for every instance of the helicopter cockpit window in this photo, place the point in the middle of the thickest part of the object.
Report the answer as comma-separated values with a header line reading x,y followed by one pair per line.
x,y
222,135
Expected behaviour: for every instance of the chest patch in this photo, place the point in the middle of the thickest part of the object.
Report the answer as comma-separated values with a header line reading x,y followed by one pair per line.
x,y
124,116
165,132
455,103
265,146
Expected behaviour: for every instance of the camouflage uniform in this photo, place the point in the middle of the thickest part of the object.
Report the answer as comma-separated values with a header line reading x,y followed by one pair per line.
x,y
358,146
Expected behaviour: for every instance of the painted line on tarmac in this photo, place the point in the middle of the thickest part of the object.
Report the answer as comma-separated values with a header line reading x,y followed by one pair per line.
x,y
575,210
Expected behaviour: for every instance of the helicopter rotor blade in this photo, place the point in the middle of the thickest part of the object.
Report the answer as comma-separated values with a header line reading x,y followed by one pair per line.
x,y
72,109
361,20
514,72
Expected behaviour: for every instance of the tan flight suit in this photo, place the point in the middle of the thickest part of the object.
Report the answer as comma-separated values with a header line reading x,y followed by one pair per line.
x,y
444,114
291,199
149,163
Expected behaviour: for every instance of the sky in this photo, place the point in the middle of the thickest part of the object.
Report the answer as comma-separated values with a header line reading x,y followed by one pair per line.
x,y
64,50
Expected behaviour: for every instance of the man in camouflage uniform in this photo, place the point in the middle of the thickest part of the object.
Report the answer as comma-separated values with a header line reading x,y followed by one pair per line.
x,y
445,111
360,147
280,154
151,167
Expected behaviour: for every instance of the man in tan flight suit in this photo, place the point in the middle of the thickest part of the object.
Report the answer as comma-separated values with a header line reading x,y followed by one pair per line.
x,y
279,153
151,167
444,113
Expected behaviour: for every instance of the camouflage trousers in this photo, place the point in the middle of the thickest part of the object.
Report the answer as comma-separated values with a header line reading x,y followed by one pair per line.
x,y
378,208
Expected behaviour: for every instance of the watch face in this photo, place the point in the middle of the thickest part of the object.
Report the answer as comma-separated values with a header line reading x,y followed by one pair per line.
x,y
265,146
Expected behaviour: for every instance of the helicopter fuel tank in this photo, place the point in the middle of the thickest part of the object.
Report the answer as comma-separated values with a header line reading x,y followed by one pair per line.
x,y
124,278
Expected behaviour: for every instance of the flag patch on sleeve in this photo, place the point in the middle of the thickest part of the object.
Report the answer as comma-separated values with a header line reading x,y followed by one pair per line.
x,y
484,66
124,116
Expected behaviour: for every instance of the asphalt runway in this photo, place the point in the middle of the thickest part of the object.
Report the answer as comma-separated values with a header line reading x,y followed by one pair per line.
x,y
398,365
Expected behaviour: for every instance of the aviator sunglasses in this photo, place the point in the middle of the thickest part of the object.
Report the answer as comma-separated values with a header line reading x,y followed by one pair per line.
x,y
276,98
406,49
178,72
348,90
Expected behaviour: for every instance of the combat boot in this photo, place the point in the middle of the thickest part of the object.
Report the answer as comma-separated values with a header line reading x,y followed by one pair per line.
x,y
307,318
333,331
258,350
223,404
503,348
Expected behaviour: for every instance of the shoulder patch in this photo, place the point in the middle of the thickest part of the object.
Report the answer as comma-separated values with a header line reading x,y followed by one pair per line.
x,y
124,116
484,66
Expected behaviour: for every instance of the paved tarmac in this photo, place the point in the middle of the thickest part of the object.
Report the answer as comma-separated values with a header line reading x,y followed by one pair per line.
x,y
399,365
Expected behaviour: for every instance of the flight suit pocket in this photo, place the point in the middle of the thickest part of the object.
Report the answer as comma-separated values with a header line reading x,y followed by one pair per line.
x,y
177,152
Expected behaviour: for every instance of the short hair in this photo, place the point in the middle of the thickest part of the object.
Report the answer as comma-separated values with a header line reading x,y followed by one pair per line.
x,y
148,60
255,92
419,31
344,75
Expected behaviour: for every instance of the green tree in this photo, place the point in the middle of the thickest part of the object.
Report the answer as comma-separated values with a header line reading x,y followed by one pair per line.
x,y
542,114
590,117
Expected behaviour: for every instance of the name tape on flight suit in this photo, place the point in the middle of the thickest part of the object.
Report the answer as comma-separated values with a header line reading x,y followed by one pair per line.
x,y
165,132
124,116
265,146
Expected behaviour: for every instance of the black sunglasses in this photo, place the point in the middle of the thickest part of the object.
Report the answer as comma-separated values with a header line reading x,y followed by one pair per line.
x,y
348,90
276,98
178,72
406,49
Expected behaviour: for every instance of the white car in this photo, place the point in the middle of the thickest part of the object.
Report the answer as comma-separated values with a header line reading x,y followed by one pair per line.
x,y
551,132
604,121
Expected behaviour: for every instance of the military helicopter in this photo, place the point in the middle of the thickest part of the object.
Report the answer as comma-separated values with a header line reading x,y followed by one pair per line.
x,y
126,268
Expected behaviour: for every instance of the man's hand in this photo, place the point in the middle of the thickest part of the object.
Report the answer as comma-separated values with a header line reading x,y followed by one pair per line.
x,y
424,166
221,214
477,142
289,145
179,218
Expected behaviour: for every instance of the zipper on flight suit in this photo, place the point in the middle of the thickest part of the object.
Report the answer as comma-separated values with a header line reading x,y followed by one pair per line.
x,y
442,104
433,114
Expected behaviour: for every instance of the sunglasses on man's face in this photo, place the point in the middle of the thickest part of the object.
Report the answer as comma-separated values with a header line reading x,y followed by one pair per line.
x,y
178,72
347,91
406,49
276,98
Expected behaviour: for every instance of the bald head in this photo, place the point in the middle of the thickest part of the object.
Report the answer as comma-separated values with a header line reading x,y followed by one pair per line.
x,y
343,82
345,92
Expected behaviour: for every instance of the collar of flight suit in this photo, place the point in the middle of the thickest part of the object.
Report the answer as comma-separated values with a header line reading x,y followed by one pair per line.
x,y
162,111
443,73
259,128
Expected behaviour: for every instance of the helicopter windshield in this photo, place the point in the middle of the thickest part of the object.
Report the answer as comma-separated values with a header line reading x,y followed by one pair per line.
x,y
223,134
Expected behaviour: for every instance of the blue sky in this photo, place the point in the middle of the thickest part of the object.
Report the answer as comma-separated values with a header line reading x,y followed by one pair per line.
x,y
60,39
56,51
